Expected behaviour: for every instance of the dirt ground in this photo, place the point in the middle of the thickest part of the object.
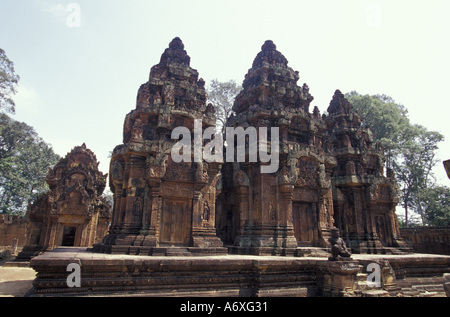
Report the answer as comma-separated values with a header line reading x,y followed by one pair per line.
x,y
15,281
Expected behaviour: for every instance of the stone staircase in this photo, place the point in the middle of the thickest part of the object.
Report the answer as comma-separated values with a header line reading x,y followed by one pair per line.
x,y
422,287
364,289
412,287
419,276
171,251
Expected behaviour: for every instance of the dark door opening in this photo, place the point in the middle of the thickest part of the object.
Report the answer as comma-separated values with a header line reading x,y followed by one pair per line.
x,y
68,239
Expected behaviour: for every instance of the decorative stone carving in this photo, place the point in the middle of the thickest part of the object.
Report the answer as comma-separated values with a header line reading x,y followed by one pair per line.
x,y
338,246
366,194
330,173
161,204
272,98
73,212
329,168
136,132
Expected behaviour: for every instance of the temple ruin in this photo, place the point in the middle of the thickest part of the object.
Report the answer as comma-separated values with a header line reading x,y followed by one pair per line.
x,y
329,195
73,212
330,171
161,205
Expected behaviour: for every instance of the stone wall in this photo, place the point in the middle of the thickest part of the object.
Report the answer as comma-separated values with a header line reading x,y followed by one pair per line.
x,y
12,228
434,240
232,276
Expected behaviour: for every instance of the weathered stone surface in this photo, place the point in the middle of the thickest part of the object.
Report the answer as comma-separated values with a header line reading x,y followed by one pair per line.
x,y
428,239
447,284
338,247
330,172
274,213
339,278
364,199
73,212
236,275
12,232
125,275
159,203
418,275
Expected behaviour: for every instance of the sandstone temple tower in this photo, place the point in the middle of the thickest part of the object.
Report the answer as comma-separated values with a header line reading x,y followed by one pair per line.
x,y
330,172
274,213
73,212
161,206
364,198
315,184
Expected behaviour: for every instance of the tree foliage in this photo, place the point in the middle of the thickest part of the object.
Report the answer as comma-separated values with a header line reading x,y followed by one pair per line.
x,y
8,83
414,169
410,148
436,204
24,162
222,95
387,120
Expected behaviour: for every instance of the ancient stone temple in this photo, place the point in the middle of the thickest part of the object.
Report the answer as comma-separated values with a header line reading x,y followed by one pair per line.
x,y
327,171
73,212
291,182
162,206
330,172
364,199
274,213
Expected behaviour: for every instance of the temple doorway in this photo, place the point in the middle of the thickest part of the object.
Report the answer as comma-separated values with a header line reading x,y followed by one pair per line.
x,y
303,223
68,238
175,223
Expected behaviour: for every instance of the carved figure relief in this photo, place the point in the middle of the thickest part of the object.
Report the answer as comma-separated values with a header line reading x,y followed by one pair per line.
x,y
169,95
308,173
206,211
137,209
137,130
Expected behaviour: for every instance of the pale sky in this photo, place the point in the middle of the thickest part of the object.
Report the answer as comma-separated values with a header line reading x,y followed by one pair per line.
x,y
80,72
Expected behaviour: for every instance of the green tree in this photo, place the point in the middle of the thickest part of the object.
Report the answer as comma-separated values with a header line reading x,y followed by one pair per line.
x,y
410,148
8,83
414,165
24,162
436,206
387,120
222,95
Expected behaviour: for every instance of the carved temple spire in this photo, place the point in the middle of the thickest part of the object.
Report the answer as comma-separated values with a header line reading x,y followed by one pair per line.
x,y
339,105
269,54
158,199
173,85
175,53
271,76
328,172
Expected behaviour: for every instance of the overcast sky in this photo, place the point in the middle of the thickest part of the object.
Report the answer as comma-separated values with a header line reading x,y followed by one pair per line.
x,y
82,62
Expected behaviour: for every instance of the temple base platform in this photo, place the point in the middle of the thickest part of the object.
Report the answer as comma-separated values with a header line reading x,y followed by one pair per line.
x,y
121,275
